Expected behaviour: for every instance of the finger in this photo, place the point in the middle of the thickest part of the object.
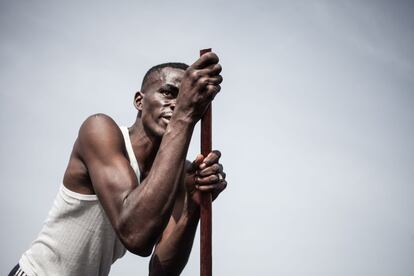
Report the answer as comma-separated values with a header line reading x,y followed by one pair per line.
x,y
215,80
219,187
215,193
211,70
213,169
212,91
196,163
211,158
205,82
205,60
207,180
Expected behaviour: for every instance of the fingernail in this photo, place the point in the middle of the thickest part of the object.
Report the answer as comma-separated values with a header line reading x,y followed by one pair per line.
x,y
203,165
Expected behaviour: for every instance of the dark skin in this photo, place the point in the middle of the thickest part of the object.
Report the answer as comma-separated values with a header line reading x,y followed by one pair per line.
x,y
163,211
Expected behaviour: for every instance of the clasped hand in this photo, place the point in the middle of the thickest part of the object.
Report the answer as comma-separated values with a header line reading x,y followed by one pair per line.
x,y
205,175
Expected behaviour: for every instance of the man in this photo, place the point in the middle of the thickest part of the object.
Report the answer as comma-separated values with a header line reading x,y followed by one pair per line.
x,y
133,188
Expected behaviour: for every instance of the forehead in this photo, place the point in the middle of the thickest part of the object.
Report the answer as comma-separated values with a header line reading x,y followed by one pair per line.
x,y
166,75
169,74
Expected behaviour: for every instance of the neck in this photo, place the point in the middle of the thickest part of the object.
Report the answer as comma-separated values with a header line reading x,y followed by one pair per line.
x,y
145,147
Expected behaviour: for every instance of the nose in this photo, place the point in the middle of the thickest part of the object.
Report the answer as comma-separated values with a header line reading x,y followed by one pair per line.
x,y
173,103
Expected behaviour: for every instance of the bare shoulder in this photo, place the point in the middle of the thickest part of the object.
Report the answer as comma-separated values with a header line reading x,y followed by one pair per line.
x,y
99,134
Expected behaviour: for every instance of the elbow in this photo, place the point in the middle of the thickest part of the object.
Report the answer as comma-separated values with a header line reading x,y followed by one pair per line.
x,y
137,242
140,250
137,246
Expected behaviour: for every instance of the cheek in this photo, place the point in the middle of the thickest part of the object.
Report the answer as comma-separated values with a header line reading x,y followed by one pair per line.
x,y
151,108
152,102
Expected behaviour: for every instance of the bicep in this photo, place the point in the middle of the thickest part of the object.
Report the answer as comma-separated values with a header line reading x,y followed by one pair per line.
x,y
112,181
103,151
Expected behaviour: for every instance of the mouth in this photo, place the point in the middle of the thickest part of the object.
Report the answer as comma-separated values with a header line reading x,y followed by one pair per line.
x,y
166,120
166,117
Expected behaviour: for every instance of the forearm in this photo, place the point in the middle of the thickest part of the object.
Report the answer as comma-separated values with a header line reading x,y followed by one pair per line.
x,y
148,207
172,252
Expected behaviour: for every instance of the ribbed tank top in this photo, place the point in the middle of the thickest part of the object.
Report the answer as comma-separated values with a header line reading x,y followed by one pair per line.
x,y
77,238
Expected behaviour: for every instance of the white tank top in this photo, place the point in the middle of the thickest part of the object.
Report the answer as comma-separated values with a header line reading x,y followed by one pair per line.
x,y
77,238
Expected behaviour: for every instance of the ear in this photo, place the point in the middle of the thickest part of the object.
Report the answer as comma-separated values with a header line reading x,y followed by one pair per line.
x,y
138,100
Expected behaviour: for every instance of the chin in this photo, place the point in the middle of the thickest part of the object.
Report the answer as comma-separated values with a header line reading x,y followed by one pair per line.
x,y
160,131
155,132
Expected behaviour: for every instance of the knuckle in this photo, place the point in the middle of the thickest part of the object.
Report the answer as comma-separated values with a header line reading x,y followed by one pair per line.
x,y
217,88
209,92
194,74
189,71
213,56
212,90
218,67
203,81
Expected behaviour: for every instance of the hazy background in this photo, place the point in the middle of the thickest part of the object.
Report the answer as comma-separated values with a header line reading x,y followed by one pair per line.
x,y
315,122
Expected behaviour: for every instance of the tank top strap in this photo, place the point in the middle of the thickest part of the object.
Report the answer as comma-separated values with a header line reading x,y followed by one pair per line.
x,y
132,159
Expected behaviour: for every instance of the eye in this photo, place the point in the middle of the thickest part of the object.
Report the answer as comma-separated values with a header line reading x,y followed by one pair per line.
x,y
166,93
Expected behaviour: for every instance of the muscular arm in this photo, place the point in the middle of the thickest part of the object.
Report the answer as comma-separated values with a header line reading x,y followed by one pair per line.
x,y
173,250
138,214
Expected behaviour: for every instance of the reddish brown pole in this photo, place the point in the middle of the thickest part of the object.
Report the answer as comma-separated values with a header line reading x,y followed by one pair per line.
x,y
205,208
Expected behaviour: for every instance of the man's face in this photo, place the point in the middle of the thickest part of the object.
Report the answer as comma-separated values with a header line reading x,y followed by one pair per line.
x,y
159,99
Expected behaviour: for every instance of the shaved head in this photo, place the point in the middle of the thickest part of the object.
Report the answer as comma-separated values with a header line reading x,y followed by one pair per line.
x,y
157,68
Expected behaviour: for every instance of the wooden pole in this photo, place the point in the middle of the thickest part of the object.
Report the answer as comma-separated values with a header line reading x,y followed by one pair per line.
x,y
205,208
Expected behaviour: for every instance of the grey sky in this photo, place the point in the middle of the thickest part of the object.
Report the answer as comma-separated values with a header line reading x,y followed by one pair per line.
x,y
315,122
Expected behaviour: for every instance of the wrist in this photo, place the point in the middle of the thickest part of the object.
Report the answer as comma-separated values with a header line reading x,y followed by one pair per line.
x,y
188,112
182,120
191,208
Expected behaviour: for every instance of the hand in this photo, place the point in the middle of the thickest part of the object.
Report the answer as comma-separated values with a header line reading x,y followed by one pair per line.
x,y
206,175
199,86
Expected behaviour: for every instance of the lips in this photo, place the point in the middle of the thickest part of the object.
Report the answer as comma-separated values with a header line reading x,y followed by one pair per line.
x,y
166,116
